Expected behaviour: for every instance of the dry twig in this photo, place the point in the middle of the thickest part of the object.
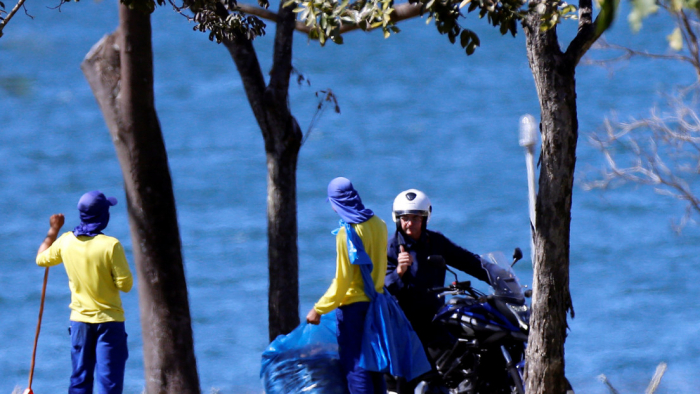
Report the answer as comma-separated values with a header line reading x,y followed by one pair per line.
x,y
662,151
653,385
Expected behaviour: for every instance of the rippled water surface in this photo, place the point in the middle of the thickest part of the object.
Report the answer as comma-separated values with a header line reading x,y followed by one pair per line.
x,y
415,112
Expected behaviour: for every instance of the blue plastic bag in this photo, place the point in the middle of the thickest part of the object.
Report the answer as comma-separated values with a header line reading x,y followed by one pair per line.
x,y
304,361
389,343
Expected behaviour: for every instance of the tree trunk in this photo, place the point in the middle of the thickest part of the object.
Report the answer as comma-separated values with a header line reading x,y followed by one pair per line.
x,y
282,137
553,72
283,296
120,71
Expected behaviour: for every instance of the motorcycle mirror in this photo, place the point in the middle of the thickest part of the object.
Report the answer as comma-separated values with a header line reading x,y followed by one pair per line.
x,y
437,260
440,262
517,255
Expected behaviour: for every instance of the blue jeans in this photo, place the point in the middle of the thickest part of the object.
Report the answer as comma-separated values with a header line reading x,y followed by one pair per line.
x,y
351,326
98,349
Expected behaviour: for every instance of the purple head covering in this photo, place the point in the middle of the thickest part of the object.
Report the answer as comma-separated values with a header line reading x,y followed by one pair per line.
x,y
94,213
346,201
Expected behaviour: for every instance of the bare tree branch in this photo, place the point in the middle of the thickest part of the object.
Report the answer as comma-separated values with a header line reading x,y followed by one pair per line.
x,y
686,22
662,151
585,14
653,385
628,53
656,379
691,40
587,32
282,54
12,13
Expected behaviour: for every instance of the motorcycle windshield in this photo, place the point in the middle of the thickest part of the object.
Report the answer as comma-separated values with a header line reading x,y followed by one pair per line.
x,y
501,276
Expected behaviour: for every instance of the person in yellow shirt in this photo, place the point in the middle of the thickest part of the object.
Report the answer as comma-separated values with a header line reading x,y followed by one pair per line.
x,y
97,271
346,292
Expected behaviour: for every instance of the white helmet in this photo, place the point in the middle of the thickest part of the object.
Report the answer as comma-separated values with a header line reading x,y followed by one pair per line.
x,y
413,202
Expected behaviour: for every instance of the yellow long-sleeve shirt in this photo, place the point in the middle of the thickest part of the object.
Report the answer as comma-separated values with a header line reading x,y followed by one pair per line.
x,y
348,286
97,270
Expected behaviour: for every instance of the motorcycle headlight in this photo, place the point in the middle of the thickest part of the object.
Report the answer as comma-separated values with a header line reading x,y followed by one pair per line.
x,y
522,314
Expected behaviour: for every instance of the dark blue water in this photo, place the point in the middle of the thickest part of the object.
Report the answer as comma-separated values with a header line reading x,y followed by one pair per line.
x,y
415,112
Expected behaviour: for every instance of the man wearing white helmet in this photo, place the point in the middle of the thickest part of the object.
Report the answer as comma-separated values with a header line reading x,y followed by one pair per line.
x,y
410,273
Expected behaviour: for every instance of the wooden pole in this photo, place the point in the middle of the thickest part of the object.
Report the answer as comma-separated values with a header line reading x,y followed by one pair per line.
x,y
38,328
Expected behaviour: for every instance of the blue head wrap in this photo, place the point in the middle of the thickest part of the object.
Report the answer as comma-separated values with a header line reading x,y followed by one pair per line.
x,y
346,201
94,213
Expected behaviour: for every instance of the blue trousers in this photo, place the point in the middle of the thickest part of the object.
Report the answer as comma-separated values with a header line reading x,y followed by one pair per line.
x,y
351,325
98,350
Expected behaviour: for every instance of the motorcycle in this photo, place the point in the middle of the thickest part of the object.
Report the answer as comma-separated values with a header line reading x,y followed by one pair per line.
x,y
488,333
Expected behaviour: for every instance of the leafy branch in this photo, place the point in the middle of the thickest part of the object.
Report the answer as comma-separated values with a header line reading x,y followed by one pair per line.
x,y
207,17
325,20
204,13
326,17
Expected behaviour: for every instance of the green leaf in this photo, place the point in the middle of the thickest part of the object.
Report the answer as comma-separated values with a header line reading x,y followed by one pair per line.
x,y
337,38
463,3
387,33
675,39
298,9
676,5
547,23
470,49
464,38
608,9
568,9
640,10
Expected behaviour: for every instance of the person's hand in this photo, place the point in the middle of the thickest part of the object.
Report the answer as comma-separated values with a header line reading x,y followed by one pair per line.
x,y
313,317
56,221
405,261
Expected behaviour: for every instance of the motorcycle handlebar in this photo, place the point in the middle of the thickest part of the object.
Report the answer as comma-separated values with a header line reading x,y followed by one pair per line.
x,y
454,286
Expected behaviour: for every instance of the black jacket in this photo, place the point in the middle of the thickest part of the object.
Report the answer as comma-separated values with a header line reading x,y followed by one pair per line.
x,y
411,290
